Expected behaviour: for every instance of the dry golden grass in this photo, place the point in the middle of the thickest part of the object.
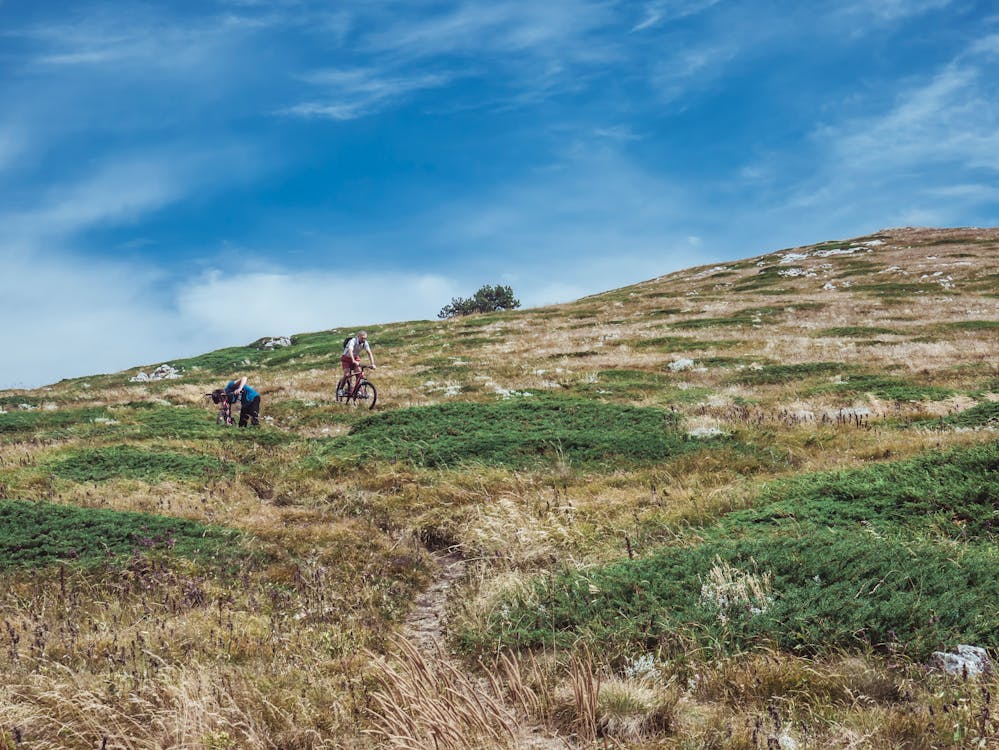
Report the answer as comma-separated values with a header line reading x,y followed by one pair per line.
x,y
175,655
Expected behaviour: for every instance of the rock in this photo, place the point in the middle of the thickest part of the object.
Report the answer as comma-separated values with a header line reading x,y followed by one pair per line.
x,y
163,372
705,433
276,341
680,364
968,661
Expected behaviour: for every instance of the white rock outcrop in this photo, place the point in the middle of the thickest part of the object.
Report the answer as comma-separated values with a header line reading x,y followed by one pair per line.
x,y
276,342
968,661
163,372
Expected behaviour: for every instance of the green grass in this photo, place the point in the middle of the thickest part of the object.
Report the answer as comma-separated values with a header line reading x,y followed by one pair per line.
x,y
898,557
683,344
14,402
773,374
665,312
126,462
848,268
223,361
38,421
983,415
38,534
971,325
890,289
517,432
856,332
891,389
747,317
955,494
764,277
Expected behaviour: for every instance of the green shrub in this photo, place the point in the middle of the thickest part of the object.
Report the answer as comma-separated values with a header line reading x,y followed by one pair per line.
x,y
683,344
983,415
891,289
955,493
228,361
971,325
850,559
36,534
518,432
37,421
125,462
771,374
893,389
857,331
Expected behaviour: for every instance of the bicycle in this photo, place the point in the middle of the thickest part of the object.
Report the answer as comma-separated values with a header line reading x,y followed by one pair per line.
x,y
225,402
357,388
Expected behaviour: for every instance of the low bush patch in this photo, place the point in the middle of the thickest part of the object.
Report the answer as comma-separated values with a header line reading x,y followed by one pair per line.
x,y
36,421
517,432
772,374
834,560
983,415
36,534
893,389
125,462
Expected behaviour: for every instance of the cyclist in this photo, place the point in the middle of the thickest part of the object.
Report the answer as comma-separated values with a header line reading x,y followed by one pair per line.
x,y
249,401
350,360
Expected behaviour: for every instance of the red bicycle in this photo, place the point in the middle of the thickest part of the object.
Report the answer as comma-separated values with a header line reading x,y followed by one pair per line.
x,y
225,402
356,388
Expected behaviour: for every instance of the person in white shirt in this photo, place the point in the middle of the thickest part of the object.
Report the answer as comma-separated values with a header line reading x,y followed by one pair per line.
x,y
350,360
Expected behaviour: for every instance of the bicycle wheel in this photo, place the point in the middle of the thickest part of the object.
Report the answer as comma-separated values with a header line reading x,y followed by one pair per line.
x,y
342,389
365,393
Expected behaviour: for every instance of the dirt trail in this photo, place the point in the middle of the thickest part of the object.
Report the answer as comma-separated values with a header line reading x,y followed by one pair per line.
x,y
425,630
425,624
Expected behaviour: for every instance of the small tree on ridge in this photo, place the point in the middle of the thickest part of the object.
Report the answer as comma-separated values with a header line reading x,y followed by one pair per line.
x,y
487,299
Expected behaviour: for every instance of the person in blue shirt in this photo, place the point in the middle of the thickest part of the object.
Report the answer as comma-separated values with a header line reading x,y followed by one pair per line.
x,y
249,401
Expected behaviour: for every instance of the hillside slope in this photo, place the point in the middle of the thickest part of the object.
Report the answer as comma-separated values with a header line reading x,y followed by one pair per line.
x,y
731,506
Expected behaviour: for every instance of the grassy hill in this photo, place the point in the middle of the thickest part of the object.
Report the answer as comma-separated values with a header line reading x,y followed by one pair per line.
x,y
735,506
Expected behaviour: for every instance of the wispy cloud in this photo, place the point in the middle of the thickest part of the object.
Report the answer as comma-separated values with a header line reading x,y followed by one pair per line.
x,y
693,69
128,187
594,220
664,11
951,118
889,11
526,50
513,28
291,302
349,94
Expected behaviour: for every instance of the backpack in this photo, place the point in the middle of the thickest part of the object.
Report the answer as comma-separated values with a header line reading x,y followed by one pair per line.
x,y
347,340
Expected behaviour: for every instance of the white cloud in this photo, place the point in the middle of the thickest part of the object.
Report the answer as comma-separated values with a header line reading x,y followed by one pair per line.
x,y
128,188
594,221
66,316
532,50
514,27
951,118
137,38
281,302
889,11
349,94
664,11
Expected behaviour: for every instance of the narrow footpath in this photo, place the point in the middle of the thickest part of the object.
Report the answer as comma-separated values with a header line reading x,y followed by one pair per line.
x,y
426,630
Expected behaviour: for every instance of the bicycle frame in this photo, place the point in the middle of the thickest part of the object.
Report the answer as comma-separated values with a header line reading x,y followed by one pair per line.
x,y
224,415
357,388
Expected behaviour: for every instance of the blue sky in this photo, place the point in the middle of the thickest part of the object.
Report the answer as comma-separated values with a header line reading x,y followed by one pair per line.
x,y
176,177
